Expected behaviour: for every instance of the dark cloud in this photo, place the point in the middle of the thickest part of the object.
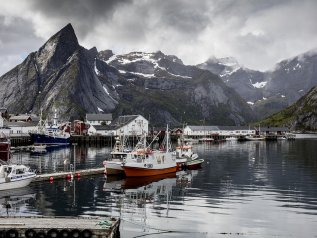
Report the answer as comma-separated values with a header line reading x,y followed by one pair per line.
x,y
257,32
17,40
85,14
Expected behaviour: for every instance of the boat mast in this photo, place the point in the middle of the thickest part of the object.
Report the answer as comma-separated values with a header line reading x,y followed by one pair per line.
x,y
167,139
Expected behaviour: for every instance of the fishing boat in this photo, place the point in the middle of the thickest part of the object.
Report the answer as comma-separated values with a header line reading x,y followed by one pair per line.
x,y
194,164
143,161
184,153
50,134
5,145
113,165
15,176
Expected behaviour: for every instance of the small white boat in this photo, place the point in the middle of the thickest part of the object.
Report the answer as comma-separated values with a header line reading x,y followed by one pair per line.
x,y
255,138
206,139
231,138
15,176
183,154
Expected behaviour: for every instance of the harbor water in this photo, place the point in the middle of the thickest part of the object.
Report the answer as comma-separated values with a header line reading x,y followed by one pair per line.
x,y
244,189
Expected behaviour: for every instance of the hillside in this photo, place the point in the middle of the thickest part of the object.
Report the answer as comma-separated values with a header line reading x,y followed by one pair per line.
x,y
300,116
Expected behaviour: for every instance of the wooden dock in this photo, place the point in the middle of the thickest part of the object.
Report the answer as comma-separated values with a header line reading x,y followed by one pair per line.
x,y
53,227
68,175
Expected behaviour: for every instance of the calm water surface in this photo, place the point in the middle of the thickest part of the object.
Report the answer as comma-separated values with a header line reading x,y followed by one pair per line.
x,y
251,189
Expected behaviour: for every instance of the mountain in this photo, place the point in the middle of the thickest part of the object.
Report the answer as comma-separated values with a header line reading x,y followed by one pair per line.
x,y
248,83
300,116
74,80
271,91
58,75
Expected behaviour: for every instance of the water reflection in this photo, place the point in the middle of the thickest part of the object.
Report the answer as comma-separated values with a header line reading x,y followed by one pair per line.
x,y
262,189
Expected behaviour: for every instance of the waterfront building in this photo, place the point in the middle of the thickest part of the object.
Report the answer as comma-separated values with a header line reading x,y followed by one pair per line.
x,y
98,119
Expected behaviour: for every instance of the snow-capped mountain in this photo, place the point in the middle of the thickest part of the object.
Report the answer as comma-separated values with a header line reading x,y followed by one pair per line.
x,y
74,80
248,83
271,91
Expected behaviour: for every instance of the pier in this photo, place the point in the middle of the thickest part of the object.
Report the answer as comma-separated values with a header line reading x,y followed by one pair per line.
x,y
68,175
52,227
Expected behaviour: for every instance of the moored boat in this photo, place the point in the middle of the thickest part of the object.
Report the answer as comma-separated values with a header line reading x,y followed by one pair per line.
x,y
15,176
143,161
50,135
255,138
194,164
184,153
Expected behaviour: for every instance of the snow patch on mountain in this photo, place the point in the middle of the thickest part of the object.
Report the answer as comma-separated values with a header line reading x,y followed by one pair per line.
x,y
107,92
95,68
259,84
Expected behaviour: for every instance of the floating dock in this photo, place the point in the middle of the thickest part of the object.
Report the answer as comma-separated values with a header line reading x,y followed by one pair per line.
x,y
53,227
68,175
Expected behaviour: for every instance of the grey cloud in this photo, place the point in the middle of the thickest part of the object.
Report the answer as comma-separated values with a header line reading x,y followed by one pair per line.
x,y
17,40
85,14
257,32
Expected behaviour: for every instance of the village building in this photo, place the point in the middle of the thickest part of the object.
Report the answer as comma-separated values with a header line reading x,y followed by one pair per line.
x,y
21,128
20,118
102,130
201,131
98,119
130,125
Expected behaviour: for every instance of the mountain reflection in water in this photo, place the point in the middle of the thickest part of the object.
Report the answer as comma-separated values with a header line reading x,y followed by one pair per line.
x,y
250,189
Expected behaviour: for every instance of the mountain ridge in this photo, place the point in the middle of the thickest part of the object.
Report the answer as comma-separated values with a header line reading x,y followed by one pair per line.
x,y
74,80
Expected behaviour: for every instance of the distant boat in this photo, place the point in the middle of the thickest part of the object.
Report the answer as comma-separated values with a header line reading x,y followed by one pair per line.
x,y
255,138
5,146
231,138
14,176
50,135
143,161
113,165
206,139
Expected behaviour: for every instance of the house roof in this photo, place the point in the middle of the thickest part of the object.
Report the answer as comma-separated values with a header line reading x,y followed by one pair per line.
x,y
20,124
20,117
204,128
122,121
273,129
99,117
235,128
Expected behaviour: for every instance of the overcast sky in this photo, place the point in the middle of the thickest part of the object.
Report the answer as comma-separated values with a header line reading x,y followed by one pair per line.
x,y
258,33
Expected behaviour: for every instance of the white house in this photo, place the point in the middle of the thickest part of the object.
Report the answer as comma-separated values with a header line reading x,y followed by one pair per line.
x,y
199,131
130,125
99,130
20,128
98,119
